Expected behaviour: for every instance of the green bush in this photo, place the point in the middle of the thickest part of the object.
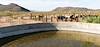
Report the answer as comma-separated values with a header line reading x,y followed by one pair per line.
x,y
92,19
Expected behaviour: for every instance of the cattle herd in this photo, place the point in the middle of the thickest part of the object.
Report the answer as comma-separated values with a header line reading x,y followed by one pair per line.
x,y
71,18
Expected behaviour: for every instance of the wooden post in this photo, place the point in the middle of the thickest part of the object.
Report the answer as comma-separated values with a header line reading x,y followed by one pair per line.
x,y
46,18
38,18
31,16
57,18
35,18
51,19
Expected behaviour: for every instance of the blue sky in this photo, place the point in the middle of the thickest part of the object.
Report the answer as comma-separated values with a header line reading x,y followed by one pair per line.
x,y
46,5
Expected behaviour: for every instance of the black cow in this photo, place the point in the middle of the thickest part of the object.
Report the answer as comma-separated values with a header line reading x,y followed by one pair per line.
x,y
61,18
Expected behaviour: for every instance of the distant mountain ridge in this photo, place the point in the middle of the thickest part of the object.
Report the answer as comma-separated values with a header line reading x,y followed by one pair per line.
x,y
59,10
72,9
13,7
76,10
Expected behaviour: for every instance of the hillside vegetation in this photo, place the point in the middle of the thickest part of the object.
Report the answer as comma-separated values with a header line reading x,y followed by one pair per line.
x,y
92,19
77,10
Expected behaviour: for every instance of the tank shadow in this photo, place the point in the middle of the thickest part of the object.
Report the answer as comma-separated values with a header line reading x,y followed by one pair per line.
x,y
8,39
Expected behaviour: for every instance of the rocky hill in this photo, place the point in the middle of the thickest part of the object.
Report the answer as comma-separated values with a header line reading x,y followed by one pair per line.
x,y
78,10
72,8
13,7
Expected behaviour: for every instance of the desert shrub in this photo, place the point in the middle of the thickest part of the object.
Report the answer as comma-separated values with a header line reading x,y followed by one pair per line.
x,y
92,19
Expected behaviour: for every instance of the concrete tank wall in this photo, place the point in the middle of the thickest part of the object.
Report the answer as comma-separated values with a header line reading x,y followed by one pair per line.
x,y
28,28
